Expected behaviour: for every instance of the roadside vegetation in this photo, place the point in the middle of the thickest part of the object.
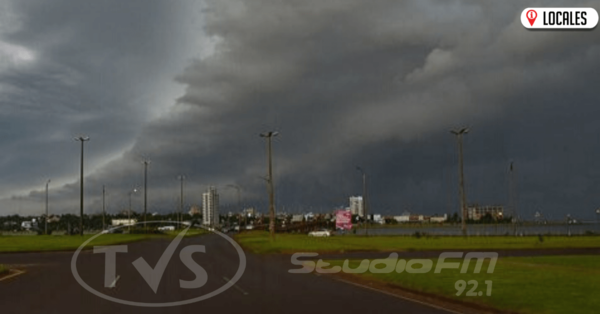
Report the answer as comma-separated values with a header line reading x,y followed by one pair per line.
x,y
63,243
43,243
545,284
259,242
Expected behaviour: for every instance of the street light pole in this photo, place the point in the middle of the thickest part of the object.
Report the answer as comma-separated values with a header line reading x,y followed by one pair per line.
x,y
461,181
364,198
82,139
129,211
103,208
597,220
46,222
269,135
146,163
513,202
180,214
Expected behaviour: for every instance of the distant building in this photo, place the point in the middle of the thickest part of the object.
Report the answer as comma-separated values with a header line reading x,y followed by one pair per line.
x,y
250,212
309,216
210,207
123,222
378,219
52,219
415,218
438,219
297,218
356,205
194,210
476,212
405,217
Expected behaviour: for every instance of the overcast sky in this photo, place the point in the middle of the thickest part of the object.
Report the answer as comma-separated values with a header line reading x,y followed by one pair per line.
x,y
190,85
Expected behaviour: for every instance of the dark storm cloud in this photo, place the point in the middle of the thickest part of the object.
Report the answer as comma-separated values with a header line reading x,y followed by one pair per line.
x,y
376,84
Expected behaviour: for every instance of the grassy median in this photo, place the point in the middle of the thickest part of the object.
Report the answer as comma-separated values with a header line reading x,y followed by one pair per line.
x,y
546,284
45,243
63,243
259,242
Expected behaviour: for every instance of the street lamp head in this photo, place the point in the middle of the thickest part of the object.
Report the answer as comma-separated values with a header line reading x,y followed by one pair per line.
x,y
460,131
269,134
48,182
82,138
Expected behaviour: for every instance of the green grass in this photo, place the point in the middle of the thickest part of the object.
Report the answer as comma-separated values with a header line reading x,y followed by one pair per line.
x,y
3,270
546,284
259,242
63,243
35,243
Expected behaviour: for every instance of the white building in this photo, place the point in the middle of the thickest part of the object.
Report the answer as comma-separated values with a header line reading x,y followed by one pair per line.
x,y
123,222
476,212
438,219
356,205
405,217
210,207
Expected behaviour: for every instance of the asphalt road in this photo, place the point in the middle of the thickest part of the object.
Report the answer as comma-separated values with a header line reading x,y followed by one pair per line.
x,y
49,286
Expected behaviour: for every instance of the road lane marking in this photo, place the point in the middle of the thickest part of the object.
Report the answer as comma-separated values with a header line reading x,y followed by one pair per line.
x,y
16,273
399,296
236,287
114,283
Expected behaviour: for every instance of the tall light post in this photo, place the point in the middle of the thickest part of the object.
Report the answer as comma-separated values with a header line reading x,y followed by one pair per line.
x,y
180,214
461,181
129,211
103,208
146,162
269,135
46,221
82,139
364,198
597,220
512,198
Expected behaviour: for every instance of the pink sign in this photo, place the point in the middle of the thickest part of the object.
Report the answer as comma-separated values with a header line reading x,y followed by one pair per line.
x,y
343,219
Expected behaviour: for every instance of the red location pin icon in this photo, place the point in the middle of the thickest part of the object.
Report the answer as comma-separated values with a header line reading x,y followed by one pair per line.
x,y
531,16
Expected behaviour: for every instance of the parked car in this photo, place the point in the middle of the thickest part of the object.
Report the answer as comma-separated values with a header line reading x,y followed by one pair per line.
x,y
166,228
320,233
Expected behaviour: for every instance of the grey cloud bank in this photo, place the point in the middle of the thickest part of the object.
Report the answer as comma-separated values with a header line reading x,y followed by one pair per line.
x,y
370,83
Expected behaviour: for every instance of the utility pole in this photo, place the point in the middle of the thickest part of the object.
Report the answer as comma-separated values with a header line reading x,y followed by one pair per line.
x,y
146,163
46,220
180,214
461,181
513,201
129,211
597,220
269,136
103,208
82,139
364,199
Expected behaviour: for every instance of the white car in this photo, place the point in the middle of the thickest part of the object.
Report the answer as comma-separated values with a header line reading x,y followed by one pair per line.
x,y
320,233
